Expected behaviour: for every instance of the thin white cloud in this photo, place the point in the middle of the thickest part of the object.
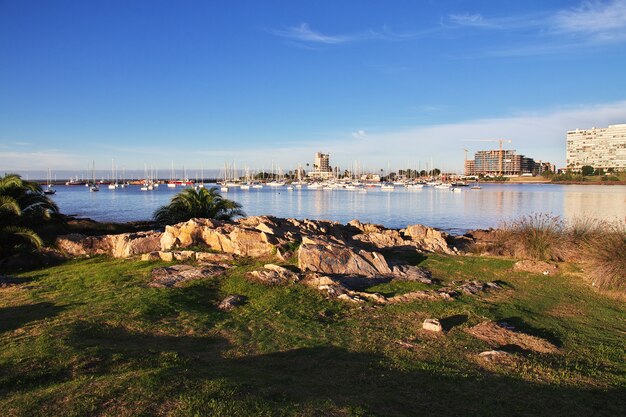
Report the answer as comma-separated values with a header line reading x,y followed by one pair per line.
x,y
303,34
604,21
587,25
467,19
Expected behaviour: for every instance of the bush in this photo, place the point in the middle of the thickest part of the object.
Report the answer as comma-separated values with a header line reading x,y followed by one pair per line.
x,y
599,246
203,203
604,255
537,236
23,205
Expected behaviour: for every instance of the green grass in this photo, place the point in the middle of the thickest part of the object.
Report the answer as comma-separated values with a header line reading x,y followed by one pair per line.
x,y
89,337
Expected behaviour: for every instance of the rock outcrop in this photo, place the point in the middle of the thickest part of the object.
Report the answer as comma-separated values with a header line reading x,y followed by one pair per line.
x,y
331,258
119,246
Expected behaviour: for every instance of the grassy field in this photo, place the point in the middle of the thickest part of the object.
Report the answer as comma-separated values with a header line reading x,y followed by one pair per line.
x,y
89,337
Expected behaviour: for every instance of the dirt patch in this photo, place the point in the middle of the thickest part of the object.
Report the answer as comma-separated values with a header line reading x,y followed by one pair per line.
x,y
502,336
536,267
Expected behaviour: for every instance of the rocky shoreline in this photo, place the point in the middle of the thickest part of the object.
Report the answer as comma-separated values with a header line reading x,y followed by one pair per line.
x,y
340,260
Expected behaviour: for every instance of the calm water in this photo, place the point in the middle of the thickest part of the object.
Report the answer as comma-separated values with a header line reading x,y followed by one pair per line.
x,y
456,212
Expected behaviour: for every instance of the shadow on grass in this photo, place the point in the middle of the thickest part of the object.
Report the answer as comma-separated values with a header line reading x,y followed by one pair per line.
x,y
519,324
12,318
315,377
450,322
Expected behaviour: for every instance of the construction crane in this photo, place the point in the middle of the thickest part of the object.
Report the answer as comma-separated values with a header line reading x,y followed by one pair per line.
x,y
493,140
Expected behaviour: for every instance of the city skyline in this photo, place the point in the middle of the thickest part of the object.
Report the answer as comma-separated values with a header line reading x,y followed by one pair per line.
x,y
202,83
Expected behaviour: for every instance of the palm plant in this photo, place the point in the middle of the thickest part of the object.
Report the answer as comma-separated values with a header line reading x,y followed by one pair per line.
x,y
22,205
203,203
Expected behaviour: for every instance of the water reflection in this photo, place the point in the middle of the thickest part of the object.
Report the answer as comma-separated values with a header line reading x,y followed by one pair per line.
x,y
440,208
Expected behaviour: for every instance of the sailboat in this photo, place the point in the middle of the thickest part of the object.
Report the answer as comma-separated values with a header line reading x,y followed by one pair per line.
x,y
113,185
94,188
49,189
171,183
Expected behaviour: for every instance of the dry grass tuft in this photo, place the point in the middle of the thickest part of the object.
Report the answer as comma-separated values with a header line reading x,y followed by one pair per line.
x,y
604,255
537,236
599,246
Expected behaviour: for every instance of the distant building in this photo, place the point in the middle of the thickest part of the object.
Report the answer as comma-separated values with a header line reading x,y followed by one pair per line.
x,y
488,163
470,167
597,147
321,166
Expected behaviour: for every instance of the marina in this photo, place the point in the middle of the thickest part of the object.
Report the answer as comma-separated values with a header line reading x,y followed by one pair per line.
x,y
454,209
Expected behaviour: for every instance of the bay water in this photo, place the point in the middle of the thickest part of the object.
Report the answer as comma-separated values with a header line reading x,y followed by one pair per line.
x,y
452,211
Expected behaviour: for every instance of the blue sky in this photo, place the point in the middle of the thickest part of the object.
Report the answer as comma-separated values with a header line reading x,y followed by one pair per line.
x,y
382,83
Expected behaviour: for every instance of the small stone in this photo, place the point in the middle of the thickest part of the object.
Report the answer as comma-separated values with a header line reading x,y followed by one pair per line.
x,y
166,256
231,302
432,325
491,355
151,256
183,255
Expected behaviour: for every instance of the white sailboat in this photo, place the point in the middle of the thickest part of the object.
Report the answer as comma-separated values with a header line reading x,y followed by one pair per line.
x,y
113,185
171,183
94,188
49,187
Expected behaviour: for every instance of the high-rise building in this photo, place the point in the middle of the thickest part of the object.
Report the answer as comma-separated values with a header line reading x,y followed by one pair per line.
x,y
496,162
597,147
321,166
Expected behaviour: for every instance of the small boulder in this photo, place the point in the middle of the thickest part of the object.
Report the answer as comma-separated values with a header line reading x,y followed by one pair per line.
x,y
184,255
150,256
432,325
492,355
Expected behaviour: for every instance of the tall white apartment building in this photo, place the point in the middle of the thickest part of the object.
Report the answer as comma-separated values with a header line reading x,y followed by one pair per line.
x,y
321,166
597,147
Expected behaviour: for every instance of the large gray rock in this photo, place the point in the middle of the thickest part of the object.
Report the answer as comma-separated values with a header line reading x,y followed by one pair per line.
x,y
332,258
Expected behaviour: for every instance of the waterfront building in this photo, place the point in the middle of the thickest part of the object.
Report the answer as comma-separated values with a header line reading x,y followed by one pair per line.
x,y
495,162
470,167
597,147
321,166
